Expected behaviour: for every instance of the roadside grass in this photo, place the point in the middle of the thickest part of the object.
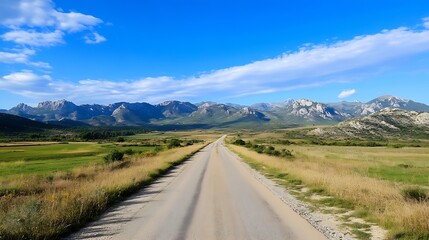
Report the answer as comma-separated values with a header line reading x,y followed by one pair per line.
x,y
47,207
344,182
405,165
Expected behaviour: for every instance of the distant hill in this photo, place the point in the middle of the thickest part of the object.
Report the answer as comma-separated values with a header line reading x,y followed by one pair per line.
x,y
223,115
387,122
68,123
12,123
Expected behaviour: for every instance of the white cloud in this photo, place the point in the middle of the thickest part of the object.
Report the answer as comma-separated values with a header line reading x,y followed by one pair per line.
x,y
308,67
33,38
74,21
426,22
36,23
347,93
21,56
22,80
94,38
41,13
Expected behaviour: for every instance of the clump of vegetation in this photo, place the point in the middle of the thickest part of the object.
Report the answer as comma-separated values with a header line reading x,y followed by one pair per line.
x,y
240,142
129,151
263,149
114,156
346,143
403,165
173,143
415,194
192,142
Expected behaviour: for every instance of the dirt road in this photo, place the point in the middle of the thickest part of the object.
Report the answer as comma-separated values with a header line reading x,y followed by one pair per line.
x,y
213,196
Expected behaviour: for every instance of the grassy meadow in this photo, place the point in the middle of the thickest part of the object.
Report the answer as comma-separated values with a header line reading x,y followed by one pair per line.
x,y
49,158
50,189
387,185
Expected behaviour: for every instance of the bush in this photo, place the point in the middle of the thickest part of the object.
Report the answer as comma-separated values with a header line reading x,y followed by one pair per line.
x,y
174,143
240,142
415,194
158,149
114,156
120,139
373,144
129,151
286,153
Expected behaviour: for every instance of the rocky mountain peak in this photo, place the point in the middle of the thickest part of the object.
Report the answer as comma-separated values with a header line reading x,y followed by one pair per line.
x,y
302,103
166,103
391,98
247,111
56,105
23,107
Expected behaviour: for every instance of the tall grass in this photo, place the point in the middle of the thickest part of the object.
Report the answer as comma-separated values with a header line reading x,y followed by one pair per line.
x,y
382,201
48,207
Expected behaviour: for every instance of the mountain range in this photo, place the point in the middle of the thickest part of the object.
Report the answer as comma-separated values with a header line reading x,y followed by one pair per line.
x,y
302,111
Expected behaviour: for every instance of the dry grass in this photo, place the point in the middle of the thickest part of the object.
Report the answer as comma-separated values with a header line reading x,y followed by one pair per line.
x,y
39,207
381,200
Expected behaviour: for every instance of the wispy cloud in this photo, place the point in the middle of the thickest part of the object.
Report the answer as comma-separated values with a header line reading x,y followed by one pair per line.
x,y
17,56
33,38
94,38
313,65
426,22
347,93
21,56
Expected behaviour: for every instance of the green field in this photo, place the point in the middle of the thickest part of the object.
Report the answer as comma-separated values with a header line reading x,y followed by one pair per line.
x,y
153,135
44,159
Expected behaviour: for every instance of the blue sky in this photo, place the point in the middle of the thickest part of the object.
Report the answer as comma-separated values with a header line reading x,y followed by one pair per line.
x,y
244,52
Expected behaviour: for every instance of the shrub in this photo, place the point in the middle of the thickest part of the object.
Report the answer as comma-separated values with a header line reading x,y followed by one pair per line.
x,y
286,153
240,142
114,156
174,143
249,145
415,194
129,151
120,139
373,144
